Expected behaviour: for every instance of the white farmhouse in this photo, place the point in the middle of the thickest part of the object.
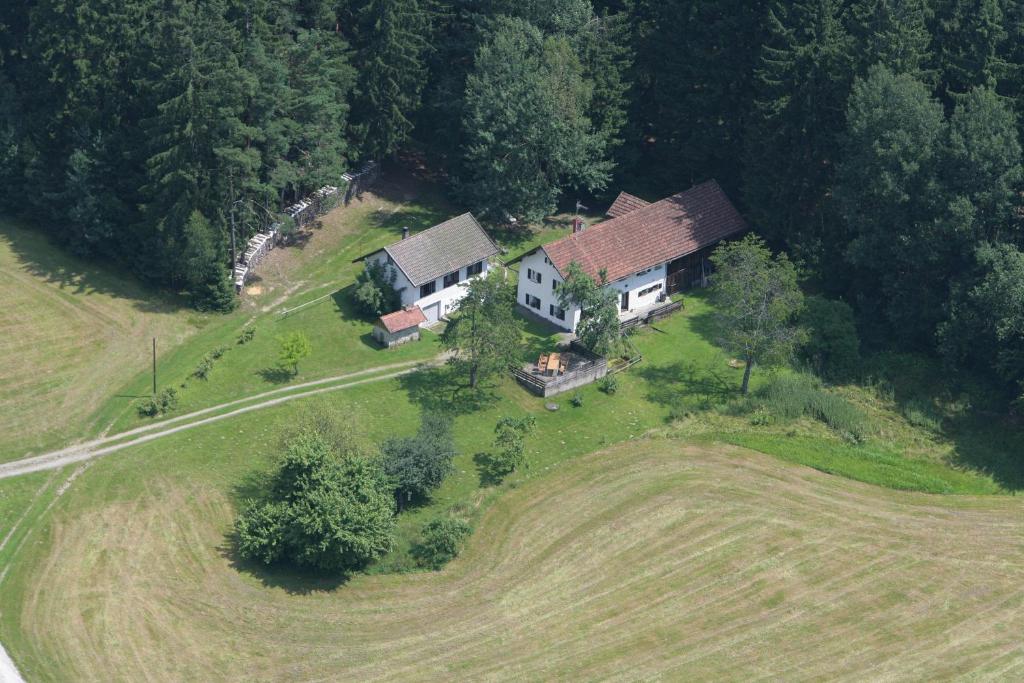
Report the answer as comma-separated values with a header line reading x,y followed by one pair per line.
x,y
430,265
648,251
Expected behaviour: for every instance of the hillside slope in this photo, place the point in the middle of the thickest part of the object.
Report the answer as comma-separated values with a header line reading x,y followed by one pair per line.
x,y
71,334
650,559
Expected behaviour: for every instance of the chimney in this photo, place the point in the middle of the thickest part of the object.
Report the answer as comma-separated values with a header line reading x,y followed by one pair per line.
x,y
577,225
405,232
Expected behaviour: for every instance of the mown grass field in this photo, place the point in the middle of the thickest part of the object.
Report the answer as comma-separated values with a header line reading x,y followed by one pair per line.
x,y
652,559
71,335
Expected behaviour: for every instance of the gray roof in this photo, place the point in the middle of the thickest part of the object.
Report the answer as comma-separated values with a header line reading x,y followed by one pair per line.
x,y
437,251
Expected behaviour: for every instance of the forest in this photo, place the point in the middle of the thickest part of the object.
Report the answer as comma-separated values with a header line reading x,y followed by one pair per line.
x,y
878,142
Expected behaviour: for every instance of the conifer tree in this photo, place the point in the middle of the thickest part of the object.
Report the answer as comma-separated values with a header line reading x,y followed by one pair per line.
x,y
802,82
392,73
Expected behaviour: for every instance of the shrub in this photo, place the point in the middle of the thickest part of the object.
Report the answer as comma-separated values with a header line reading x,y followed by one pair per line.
x,y
577,399
218,352
441,541
609,384
294,347
832,347
204,368
417,465
246,336
324,510
510,437
161,404
375,292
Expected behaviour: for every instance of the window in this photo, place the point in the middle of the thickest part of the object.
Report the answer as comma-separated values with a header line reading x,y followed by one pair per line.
x,y
428,289
475,269
652,288
554,284
644,272
450,279
532,301
533,275
556,311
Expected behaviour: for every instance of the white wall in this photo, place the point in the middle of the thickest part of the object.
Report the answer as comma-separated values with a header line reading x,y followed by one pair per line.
x,y
447,297
638,282
538,261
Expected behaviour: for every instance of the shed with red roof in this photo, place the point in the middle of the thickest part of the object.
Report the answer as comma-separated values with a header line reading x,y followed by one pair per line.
x,y
399,327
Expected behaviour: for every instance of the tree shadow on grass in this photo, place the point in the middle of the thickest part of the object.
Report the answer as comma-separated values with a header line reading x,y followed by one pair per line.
x,y
687,383
485,469
989,444
275,375
440,390
293,580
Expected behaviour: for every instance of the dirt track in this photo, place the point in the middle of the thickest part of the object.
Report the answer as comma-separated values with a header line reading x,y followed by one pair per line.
x,y
156,430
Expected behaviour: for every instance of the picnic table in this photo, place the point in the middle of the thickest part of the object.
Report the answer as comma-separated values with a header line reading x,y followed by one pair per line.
x,y
550,362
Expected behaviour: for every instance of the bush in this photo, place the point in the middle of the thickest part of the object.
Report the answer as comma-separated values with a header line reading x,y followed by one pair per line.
x,y
609,384
441,541
577,399
832,348
246,336
375,292
161,404
417,465
294,347
324,510
204,368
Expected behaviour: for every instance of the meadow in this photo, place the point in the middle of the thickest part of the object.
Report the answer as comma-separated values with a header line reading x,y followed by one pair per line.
x,y
653,558
135,549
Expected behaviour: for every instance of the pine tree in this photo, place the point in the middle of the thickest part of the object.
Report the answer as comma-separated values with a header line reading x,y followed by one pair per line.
x,y
893,33
969,35
693,96
804,77
891,200
392,73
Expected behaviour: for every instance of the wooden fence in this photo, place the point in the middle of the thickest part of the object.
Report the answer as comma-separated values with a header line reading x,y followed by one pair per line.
x,y
652,315
590,370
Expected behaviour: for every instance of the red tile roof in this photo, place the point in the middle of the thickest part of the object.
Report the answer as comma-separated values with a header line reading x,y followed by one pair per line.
x,y
625,203
403,320
651,235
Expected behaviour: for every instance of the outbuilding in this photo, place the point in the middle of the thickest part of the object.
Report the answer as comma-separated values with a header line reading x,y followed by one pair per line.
x,y
399,327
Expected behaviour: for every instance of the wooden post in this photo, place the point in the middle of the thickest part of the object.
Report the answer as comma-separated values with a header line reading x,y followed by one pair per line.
x,y
154,366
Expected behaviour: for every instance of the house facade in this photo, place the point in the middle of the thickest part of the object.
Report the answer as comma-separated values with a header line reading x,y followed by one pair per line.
x,y
647,250
431,268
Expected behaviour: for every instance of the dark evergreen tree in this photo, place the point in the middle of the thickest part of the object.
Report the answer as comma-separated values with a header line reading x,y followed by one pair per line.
x,y
891,201
893,33
802,82
968,35
693,97
526,130
392,43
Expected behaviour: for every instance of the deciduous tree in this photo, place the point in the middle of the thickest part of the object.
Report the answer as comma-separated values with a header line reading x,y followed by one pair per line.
x,y
756,299
485,334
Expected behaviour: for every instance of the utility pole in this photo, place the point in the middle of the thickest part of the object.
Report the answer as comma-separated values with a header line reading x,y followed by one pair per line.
x,y
154,366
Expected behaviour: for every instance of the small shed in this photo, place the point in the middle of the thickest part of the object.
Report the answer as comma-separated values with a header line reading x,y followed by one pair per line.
x,y
399,327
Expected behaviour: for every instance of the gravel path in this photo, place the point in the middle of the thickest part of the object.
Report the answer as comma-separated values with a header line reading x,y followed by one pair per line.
x,y
150,432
